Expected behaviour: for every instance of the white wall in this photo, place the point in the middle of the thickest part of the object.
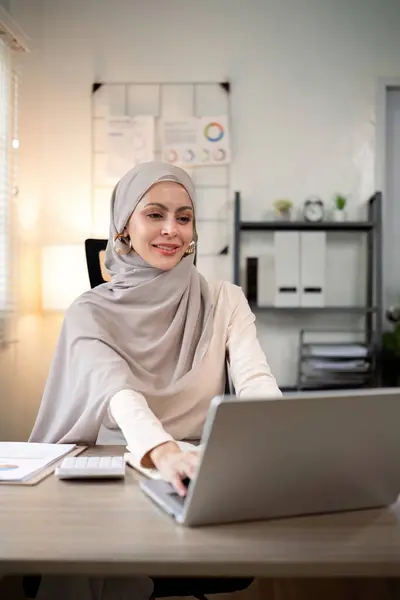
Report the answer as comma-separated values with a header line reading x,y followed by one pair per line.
x,y
303,98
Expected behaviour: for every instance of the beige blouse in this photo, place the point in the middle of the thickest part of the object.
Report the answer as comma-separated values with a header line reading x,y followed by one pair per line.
x,y
147,422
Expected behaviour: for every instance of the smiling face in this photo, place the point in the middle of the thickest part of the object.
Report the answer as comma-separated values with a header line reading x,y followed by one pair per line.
x,y
162,225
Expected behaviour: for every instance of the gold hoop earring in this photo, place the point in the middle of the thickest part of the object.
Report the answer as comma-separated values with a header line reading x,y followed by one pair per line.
x,y
190,249
121,245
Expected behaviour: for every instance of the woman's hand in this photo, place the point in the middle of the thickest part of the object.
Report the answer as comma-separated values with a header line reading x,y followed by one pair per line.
x,y
174,465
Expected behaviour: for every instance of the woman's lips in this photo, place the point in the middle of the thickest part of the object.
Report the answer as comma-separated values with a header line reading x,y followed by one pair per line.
x,y
166,249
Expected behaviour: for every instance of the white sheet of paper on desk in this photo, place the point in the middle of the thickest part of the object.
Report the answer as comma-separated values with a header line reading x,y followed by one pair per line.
x,y
153,473
21,460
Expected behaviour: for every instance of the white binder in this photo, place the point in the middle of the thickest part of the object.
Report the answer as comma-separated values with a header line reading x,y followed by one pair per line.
x,y
266,281
287,268
312,268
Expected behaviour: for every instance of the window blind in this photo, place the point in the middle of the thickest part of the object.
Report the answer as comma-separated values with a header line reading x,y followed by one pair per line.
x,y
5,175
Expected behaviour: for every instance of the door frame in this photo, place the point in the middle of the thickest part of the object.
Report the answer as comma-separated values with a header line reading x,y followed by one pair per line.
x,y
384,85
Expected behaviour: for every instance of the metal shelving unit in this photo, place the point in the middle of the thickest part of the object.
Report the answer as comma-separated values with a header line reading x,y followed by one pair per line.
x,y
305,226
372,310
356,310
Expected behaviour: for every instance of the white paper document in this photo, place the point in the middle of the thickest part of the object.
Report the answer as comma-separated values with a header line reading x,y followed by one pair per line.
x,y
130,141
196,141
337,350
179,141
21,460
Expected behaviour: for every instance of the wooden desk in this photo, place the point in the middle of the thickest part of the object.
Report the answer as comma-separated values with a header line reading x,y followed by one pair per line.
x,y
113,529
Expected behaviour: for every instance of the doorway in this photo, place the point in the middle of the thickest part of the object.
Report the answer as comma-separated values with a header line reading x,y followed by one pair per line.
x,y
388,181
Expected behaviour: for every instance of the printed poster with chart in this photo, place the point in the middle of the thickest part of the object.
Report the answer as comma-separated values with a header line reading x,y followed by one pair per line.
x,y
129,141
196,141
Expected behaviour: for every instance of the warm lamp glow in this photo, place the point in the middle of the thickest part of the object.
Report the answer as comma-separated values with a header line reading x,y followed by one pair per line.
x,y
64,275
28,214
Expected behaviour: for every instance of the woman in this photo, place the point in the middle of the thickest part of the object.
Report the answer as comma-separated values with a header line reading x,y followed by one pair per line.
x,y
146,352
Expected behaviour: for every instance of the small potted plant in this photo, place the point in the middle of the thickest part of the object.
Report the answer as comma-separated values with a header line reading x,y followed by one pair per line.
x,y
340,202
283,209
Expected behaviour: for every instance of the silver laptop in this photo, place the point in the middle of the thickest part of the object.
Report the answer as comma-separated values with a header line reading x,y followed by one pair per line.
x,y
302,454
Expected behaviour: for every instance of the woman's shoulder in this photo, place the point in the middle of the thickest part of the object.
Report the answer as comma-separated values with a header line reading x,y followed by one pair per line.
x,y
227,292
84,305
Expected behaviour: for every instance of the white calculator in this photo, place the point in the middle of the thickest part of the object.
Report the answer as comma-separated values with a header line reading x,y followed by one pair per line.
x,y
91,467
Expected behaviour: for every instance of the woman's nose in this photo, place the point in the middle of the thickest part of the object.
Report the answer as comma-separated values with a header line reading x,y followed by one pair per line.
x,y
169,227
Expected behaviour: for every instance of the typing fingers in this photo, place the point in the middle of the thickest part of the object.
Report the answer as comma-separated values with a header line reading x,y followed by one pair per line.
x,y
190,461
185,468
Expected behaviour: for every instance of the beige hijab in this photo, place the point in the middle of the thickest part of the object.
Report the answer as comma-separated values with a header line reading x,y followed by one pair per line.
x,y
147,330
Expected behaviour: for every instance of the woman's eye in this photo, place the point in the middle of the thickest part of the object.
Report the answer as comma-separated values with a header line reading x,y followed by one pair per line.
x,y
157,216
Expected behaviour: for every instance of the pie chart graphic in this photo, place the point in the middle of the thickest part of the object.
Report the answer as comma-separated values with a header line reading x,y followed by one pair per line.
x,y
171,156
214,132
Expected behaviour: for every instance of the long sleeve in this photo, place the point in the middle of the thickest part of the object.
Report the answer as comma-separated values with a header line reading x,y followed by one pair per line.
x,y
141,428
249,369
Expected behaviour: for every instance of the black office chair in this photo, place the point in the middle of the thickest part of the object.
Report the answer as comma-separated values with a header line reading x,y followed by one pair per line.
x,y
93,250
164,587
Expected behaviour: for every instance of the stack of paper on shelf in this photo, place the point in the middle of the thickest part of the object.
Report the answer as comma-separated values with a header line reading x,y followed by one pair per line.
x,y
334,365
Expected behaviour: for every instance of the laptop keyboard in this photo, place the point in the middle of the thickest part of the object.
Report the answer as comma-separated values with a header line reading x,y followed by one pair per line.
x,y
167,495
175,500
175,497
